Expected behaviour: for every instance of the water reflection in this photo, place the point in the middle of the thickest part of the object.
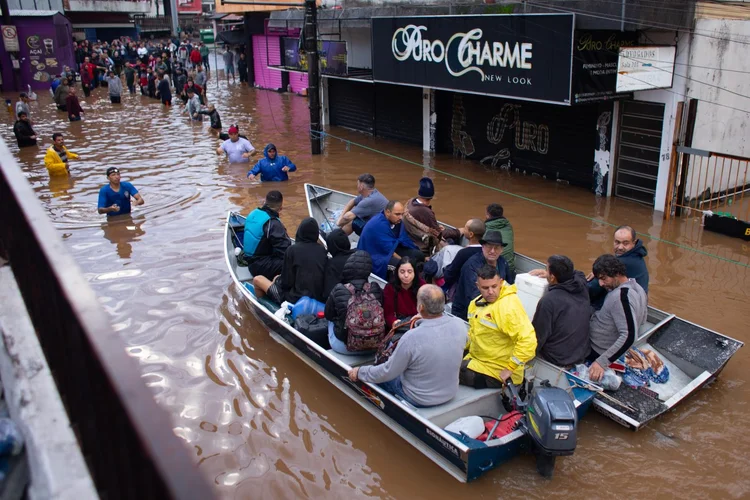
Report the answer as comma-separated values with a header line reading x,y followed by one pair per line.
x,y
122,230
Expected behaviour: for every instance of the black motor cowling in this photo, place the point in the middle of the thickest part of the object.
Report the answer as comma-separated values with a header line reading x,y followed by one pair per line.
x,y
552,423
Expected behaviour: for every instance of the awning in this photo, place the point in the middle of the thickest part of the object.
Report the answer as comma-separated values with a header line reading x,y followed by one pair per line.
x,y
232,37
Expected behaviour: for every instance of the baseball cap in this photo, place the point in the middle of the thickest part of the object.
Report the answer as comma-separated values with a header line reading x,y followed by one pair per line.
x,y
234,130
112,170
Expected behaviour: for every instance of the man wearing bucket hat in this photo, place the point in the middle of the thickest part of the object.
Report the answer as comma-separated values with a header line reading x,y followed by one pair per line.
x,y
419,219
492,249
114,198
237,149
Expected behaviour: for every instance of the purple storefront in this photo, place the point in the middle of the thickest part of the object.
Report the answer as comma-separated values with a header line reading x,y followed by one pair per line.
x,y
46,45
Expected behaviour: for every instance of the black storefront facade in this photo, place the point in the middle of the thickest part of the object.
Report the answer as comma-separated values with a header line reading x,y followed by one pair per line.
x,y
521,92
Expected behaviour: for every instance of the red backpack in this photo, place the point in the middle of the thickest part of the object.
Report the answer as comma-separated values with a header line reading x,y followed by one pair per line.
x,y
365,319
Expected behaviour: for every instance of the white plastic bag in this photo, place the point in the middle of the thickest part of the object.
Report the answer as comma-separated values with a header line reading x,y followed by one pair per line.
x,y
610,380
285,309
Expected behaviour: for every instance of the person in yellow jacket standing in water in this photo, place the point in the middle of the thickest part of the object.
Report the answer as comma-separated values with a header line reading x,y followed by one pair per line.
x,y
56,159
501,337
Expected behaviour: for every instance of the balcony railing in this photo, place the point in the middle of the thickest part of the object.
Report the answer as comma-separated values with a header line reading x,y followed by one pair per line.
x,y
126,438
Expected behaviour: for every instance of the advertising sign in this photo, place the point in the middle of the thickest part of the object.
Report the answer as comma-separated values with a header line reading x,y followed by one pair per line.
x,y
332,56
645,68
519,56
10,39
595,57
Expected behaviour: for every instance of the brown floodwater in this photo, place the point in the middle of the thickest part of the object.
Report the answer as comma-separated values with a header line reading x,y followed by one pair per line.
x,y
260,423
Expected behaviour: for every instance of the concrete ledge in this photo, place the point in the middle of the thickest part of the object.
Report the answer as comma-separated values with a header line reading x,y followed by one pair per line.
x,y
58,470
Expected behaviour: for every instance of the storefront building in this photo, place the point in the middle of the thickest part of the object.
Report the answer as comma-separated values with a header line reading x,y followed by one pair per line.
x,y
45,46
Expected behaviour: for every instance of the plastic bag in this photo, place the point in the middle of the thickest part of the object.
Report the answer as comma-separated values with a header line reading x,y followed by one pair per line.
x,y
285,309
11,439
610,380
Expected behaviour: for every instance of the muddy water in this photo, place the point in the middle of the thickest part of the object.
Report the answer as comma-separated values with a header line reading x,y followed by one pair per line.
x,y
263,425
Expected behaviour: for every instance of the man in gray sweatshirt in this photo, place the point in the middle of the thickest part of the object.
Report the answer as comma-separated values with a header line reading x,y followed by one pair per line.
x,y
423,369
115,87
614,328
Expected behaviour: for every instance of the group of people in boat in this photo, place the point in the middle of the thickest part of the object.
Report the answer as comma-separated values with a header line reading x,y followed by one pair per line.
x,y
593,319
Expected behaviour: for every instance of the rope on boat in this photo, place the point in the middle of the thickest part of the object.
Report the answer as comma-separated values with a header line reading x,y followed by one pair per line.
x,y
350,143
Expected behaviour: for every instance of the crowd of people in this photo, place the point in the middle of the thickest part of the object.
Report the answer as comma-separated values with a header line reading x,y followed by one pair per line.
x,y
488,338
160,70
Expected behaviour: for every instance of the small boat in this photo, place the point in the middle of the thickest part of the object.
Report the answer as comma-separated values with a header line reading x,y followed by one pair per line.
x,y
694,355
464,458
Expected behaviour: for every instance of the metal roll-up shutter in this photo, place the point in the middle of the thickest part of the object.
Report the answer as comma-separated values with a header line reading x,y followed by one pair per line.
x,y
640,150
398,112
351,104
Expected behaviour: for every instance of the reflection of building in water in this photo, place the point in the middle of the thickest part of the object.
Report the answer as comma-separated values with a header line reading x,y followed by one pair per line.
x,y
122,230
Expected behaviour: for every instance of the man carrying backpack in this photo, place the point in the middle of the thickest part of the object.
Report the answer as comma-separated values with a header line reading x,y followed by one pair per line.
x,y
423,369
354,310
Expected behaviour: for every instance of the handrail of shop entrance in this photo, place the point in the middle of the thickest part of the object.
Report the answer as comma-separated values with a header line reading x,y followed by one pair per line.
x,y
127,439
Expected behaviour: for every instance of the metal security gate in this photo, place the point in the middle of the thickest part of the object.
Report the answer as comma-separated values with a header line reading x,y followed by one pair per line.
x,y
639,150
352,104
398,112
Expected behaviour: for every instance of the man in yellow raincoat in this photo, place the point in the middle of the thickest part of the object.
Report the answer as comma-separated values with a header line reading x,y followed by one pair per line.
x,y
501,337
56,159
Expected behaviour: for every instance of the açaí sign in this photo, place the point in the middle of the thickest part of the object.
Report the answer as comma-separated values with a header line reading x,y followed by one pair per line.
x,y
517,56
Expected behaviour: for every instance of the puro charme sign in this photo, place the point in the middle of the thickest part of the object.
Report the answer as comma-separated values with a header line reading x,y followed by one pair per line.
x,y
522,56
473,53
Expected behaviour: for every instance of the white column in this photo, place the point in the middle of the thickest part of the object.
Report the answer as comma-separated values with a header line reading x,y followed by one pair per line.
x,y
324,118
429,119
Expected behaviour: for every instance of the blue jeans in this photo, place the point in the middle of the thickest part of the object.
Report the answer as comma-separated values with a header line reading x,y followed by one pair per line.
x,y
339,346
394,387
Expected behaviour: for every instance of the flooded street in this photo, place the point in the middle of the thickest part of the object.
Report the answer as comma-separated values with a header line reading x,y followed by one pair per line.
x,y
261,423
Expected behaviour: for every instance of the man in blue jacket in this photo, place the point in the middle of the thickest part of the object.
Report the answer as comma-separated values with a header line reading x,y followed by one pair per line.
x,y
631,252
385,239
272,168
491,254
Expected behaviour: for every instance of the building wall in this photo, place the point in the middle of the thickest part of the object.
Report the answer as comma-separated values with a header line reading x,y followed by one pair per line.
x,y
139,6
36,5
724,110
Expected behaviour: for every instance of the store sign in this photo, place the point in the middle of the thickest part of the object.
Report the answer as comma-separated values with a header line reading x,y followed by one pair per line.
x,y
595,57
519,56
332,56
10,39
645,68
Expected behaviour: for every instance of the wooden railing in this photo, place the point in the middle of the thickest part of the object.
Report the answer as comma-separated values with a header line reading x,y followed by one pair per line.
x,y
126,438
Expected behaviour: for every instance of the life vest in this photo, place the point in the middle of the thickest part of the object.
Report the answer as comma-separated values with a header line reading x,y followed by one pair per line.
x,y
254,230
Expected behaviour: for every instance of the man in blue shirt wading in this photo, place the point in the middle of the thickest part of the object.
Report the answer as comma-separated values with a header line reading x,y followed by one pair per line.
x,y
272,168
114,198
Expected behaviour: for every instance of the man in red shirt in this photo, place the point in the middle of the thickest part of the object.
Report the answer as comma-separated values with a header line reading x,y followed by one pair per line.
x,y
87,75
195,57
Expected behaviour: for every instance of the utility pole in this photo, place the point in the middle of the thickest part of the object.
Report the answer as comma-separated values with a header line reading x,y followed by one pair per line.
x,y
175,19
6,12
313,74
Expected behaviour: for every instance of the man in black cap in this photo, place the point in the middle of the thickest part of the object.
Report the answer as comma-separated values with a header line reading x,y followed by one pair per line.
x,y
419,219
491,254
114,198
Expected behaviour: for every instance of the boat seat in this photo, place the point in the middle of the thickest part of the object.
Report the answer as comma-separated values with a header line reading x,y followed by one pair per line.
x,y
466,397
353,360
243,273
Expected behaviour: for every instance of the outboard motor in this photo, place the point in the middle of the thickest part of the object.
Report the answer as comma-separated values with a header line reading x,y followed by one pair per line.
x,y
551,422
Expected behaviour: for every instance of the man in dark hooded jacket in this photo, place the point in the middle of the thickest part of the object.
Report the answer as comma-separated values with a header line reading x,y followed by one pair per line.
x,y
631,252
25,135
303,269
356,272
339,247
562,316
265,240
272,168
